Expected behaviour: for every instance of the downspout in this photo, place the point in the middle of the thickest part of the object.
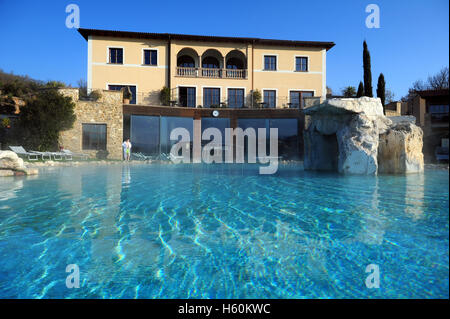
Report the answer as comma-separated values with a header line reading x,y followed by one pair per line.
x,y
169,44
253,68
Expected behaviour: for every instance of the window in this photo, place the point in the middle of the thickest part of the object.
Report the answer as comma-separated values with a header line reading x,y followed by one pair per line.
x,y
301,64
120,87
211,96
235,97
269,98
94,136
150,57
270,62
116,55
187,96
296,98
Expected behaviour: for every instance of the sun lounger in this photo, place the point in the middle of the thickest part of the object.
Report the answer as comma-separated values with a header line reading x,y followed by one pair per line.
x,y
69,153
20,151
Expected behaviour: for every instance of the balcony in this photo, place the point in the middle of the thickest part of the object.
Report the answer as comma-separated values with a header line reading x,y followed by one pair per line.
x,y
213,73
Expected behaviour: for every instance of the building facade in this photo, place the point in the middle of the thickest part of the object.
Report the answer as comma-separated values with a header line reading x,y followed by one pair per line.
x,y
211,82
206,71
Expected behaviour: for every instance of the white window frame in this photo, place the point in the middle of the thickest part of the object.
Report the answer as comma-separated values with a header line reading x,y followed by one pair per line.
x,y
307,63
264,64
115,47
270,89
157,57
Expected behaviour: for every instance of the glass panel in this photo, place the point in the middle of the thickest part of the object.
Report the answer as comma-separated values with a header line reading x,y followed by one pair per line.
x,y
270,62
168,123
306,94
145,134
235,98
288,142
294,99
94,136
211,97
269,98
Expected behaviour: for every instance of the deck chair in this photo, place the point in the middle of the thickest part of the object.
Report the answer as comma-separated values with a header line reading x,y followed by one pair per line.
x,y
69,153
20,151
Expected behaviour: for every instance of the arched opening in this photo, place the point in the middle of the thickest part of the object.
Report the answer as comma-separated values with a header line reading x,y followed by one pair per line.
x,y
210,63
235,64
186,61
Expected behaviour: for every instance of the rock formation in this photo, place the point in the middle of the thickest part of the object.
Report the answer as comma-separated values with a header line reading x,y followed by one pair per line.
x,y
352,136
13,165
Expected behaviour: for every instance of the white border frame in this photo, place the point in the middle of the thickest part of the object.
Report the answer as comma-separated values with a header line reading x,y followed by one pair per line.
x,y
276,96
125,84
239,88
188,86
211,87
115,47
307,63
263,62
89,65
157,57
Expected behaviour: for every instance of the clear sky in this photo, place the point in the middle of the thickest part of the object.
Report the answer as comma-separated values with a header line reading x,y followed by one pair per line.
x,y
411,43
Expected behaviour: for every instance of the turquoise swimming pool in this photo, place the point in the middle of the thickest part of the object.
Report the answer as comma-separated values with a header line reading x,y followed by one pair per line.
x,y
223,231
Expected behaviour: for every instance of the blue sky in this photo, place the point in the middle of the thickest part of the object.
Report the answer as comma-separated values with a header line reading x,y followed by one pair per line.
x,y
412,42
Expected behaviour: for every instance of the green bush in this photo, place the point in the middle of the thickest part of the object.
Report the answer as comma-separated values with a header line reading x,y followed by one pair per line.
x,y
164,96
43,117
256,98
95,95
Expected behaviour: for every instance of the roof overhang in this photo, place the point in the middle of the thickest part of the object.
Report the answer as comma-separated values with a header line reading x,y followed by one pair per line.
x,y
202,38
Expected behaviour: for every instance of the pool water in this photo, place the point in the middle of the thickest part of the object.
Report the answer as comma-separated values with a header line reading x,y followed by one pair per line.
x,y
223,231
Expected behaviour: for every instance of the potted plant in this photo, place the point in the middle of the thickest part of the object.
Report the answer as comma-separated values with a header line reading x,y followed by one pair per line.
x,y
164,96
256,97
95,95
127,95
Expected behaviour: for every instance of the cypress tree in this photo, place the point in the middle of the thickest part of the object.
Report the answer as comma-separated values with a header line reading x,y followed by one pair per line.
x,y
360,89
367,72
381,89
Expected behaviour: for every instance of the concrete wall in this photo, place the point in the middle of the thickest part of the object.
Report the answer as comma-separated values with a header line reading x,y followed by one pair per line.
x,y
107,110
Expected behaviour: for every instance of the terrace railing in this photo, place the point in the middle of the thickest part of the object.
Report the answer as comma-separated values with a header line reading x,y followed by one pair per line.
x,y
212,73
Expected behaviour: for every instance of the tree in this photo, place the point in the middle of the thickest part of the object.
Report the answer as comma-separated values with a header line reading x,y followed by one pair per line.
x,y
360,90
349,91
256,98
329,91
381,89
164,96
390,96
44,116
439,81
367,71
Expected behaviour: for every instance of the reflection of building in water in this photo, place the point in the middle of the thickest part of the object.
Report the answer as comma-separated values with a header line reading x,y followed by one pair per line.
x,y
373,220
414,195
9,190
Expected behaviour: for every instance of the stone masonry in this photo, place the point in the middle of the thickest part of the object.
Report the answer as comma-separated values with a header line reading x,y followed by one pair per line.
x,y
108,109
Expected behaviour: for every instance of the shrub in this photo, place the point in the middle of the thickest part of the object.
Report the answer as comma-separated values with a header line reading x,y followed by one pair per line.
x,y
127,93
256,98
5,123
43,117
164,96
95,95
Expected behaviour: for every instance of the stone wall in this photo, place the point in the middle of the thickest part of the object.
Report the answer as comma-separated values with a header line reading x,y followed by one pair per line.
x,y
108,109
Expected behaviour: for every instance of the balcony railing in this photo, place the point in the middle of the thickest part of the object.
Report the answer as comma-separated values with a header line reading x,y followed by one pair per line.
x,y
212,73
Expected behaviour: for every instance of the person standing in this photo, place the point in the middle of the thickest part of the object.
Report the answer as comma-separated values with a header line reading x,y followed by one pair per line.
x,y
124,148
128,151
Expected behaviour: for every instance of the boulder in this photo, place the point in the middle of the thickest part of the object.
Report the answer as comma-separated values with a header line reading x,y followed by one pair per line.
x,y
10,160
13,165
400,149
344,135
